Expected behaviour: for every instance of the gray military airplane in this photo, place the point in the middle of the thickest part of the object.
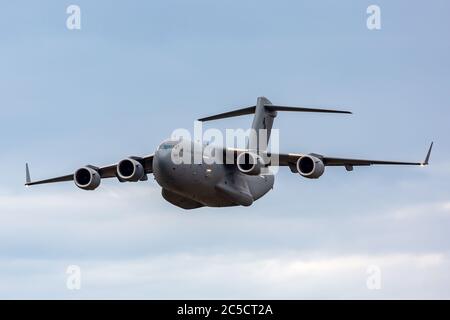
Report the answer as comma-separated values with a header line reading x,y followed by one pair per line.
x,y
241,182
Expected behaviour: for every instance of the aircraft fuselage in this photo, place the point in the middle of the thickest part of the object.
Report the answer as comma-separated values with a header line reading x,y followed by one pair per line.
x,y
194,185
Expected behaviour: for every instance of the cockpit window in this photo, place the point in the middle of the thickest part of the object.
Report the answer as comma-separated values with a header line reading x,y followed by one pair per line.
x,y
167,145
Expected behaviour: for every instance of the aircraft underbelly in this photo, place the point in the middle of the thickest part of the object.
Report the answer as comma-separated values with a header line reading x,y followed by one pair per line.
x,y
179,200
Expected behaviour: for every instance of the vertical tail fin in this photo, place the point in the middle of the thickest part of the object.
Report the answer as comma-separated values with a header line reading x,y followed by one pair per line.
x,y
262,125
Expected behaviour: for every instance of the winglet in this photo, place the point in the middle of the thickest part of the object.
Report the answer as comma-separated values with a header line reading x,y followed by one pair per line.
x,y
28,177
427,158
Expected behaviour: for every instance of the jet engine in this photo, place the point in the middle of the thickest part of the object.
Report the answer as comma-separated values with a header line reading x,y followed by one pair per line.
x,y
130,170
249,163
87,178
310,167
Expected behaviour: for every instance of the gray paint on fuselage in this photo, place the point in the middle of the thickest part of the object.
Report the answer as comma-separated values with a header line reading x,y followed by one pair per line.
x,y
202,183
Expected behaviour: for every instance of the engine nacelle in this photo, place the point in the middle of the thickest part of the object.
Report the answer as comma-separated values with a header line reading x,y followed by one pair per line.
x,y
87,178
249,163
130,170
310,167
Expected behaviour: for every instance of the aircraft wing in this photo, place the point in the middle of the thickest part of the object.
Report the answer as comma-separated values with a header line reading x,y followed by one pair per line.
x,y
104,172
290,160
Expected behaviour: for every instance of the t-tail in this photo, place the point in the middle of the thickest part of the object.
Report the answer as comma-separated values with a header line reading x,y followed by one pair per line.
x,y
264,114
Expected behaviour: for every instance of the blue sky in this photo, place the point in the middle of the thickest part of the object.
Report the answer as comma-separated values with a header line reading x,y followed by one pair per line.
x,y
138,69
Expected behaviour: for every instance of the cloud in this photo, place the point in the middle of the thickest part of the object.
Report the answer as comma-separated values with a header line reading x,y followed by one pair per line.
x,y
131,244
428,210
240,275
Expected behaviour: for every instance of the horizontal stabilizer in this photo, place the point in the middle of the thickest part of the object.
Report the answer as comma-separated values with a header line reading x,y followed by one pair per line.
x,y
303,109
235,113
268,108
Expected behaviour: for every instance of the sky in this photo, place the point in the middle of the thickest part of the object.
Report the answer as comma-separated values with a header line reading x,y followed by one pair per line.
x,y
137,70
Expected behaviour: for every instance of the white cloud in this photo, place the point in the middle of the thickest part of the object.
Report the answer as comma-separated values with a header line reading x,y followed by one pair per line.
x,y
428,210
241,275
131,244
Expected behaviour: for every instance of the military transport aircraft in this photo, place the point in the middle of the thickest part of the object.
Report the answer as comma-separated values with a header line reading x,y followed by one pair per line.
x,y
248,178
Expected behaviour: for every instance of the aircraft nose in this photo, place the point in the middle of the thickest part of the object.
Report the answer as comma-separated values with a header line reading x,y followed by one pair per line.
x,y
164,160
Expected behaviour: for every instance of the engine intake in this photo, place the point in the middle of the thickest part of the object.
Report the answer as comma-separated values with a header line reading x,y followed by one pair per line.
x,y
249,163
87,178
310,167
130,170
